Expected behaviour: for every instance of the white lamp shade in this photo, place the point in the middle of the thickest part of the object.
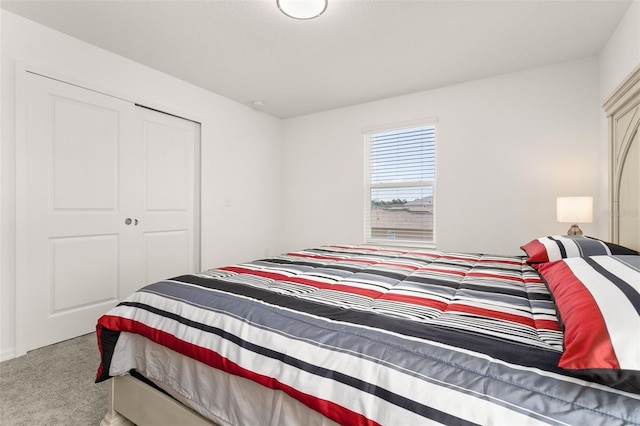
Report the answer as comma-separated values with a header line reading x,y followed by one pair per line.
x,y
302,9
574,209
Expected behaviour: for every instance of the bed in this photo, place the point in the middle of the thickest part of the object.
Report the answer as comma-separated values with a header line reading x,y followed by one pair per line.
x,y
374,335
361,334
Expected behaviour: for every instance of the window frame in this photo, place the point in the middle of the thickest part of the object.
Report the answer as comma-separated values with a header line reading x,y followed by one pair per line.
x,y
368,185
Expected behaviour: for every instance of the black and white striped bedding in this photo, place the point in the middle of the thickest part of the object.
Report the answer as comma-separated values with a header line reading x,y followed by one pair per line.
x,y
370,335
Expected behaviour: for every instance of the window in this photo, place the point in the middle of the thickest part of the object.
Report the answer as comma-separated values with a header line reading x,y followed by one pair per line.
x,y
400,185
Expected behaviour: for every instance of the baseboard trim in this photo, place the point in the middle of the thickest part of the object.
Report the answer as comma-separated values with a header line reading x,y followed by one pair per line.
x,y
8,354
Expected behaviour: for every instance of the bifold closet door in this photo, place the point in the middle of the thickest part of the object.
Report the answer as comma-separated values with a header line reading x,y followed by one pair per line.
x,y
163,214
109,206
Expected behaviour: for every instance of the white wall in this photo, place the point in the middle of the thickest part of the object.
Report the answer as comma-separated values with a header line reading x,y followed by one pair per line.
x,y
506,148
619,57
621,54
240,154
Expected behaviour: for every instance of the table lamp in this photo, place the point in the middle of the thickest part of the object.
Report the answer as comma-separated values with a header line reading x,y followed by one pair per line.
x,y
574,210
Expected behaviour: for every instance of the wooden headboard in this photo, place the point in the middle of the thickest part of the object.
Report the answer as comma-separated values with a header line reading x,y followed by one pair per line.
x,y
623,114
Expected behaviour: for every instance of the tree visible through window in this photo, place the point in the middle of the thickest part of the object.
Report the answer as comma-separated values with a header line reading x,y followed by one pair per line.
x,y
400,187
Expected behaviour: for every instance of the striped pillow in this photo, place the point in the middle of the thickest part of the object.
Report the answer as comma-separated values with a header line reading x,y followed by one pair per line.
x,y
598,300
548,249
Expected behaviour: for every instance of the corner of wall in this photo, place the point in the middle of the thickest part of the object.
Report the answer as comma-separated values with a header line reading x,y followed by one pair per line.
x,y
621,54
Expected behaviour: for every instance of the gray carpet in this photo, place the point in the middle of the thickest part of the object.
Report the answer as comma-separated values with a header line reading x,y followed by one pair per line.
x,y
53,386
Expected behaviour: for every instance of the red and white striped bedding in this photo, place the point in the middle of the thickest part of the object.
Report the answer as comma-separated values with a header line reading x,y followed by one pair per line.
x,y
556,247
371,335
598,298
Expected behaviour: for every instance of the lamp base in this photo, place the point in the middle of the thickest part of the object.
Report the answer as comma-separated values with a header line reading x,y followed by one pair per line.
x,y
574,230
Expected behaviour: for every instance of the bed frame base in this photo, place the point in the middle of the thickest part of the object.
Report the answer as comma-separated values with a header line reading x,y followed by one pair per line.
x,y
131,402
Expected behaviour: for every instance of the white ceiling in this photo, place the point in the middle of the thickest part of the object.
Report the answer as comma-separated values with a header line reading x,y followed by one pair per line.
x,y
358,51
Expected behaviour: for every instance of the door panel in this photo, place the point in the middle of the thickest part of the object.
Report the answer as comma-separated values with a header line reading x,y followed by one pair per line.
x,y
167,217
169,152
85,155
84,271
75,143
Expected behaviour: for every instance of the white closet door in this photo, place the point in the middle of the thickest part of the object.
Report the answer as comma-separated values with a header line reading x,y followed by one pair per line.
x,y
109,190
164,218
75,147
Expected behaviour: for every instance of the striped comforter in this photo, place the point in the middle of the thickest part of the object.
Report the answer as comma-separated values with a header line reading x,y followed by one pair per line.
x,y
371,335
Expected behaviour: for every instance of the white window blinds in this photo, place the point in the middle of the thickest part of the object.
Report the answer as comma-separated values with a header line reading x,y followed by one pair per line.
x,y
401,168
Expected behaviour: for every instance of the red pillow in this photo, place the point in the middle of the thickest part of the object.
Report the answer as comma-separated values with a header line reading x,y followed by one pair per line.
x,y
598,301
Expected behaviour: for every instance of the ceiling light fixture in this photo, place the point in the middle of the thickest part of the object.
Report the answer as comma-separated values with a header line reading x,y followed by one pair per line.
x,y
302,9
